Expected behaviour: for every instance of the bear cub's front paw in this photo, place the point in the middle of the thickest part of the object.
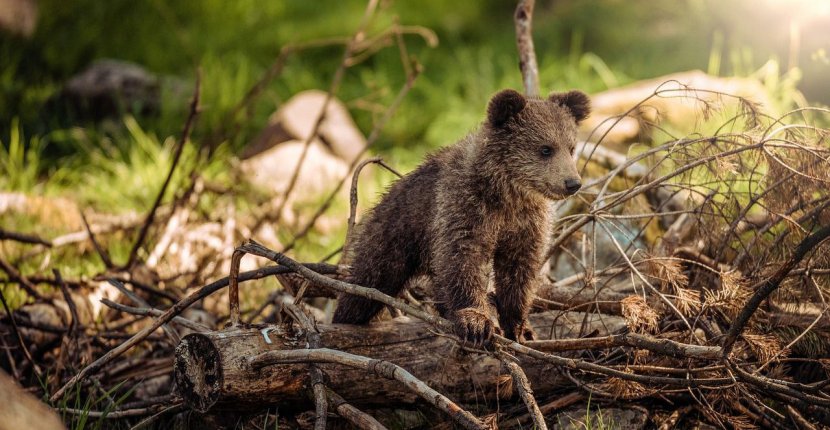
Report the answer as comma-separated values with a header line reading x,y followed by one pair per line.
x,y
519,332
474,325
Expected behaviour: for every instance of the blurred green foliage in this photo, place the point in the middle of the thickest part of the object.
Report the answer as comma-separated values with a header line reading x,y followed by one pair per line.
x,y
592,45
586,44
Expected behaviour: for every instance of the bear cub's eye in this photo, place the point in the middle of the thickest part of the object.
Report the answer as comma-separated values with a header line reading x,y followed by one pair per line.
x,y
546,151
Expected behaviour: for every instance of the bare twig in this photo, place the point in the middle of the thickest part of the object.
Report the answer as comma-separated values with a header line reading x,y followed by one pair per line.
x,y
353,200
105,257
24,238
665,347
316,375
174,337
381,368
233,290
188,127
765,288
167,316
523,19
22,280
353,415
16,331
150,312
123,413
73,309
523,385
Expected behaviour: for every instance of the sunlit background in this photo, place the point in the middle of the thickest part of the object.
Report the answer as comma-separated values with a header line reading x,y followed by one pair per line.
x,y
589,44
592,45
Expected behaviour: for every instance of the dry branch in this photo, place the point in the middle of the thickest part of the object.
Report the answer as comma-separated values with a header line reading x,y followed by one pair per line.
x,y
377,367
521,383
523,20
23,238
353,415
188,127
163,319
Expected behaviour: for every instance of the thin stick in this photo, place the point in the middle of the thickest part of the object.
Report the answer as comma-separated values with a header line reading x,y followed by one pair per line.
x,y
151,419
354,416
665,347
23,238
316,375
353,201
188,126
233,290
523,385
22,280
168,315
151,312
765,288
377,367
105,257
73,309
174,337
19,337
124,413
523,20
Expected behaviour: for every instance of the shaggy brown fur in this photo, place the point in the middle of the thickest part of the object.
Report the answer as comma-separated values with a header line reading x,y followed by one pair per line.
x,y
479,206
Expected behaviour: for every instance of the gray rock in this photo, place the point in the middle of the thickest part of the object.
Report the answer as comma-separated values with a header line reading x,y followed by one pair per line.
x,y
110,88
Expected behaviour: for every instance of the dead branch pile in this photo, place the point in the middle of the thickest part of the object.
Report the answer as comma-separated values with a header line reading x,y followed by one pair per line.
x,y
688,279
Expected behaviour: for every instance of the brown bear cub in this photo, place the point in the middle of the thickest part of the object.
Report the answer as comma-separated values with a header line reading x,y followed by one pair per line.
x,y
476,207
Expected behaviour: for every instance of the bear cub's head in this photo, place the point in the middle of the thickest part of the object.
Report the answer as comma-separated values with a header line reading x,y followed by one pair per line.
x,y
533,139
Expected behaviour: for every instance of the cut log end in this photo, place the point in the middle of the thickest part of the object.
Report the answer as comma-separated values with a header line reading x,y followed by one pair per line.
x,y
198,372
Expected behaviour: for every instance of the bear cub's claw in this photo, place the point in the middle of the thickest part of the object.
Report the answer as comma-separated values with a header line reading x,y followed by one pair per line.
x,y
475,326
520,332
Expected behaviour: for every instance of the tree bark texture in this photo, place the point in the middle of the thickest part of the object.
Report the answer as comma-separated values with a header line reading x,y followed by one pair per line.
x,y
211,369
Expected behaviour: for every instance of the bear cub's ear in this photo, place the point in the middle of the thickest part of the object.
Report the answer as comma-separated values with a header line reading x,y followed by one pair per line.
x,y
504,105
576,101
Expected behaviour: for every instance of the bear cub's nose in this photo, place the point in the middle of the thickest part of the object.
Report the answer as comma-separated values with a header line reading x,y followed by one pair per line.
x,y
572,185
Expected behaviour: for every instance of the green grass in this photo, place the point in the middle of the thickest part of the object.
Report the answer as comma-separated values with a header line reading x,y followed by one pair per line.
x,y
118,165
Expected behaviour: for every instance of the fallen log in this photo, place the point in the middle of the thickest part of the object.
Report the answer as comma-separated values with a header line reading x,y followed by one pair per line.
x,y
212,370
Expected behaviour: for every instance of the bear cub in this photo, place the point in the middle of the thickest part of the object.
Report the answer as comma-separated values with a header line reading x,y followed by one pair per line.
x,y
476,208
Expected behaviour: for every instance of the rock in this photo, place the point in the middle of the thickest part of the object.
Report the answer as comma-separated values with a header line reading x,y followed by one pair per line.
x,y
272,170
23,410
680,106
110,88
18,16
296,120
